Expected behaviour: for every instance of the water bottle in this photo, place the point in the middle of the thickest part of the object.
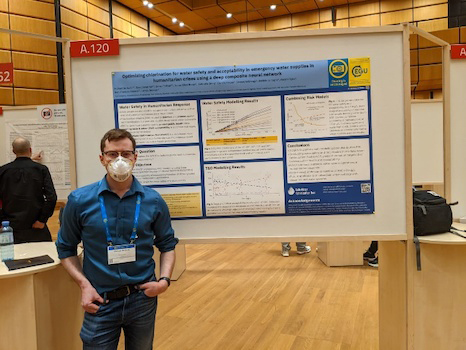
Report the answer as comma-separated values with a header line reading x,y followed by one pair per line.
x,y
7,249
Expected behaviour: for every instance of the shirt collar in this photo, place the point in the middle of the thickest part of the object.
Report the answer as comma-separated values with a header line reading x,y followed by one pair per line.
x,y
136,187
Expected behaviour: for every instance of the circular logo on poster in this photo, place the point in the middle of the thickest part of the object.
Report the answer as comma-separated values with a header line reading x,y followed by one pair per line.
x,y
338,69
46,113
358,71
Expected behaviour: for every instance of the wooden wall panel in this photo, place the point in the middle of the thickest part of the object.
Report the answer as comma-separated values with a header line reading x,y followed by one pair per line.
x,y
257,26
343,23
364,8
430,56
396,17
121,11
35,97
4,38
33,8
6,96
103,4
36,80
235,28
121,25
34,62
366,21
275,23
98,29
120,35
434,25
98,14
342,12
4,5
73,19
325,15
79,6
418,3
5,56
305,18
429,12
25,44
72,33
156,29
394,5
309,26
32,25
413,57
138,32
430,72
139,20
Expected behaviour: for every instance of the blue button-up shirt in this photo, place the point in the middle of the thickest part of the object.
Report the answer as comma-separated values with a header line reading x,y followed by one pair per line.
x,y
82,221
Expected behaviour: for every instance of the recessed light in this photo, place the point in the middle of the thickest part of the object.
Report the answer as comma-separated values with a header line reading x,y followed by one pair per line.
x,y
174,20
145,2
181,24
273,7
229,15
150,5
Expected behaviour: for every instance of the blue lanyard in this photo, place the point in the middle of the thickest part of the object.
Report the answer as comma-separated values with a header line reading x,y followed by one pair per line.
x,y
105,220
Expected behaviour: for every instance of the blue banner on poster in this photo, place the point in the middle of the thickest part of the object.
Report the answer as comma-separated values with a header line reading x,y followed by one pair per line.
x,y
288,138
221,80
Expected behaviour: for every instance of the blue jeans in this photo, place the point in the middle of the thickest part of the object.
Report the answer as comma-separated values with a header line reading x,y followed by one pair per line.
x,y
134,313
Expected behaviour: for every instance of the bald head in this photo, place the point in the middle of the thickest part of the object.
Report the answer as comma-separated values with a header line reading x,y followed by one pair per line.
x,y
21,147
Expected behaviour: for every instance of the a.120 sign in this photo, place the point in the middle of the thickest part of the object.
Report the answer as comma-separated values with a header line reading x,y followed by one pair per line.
x,y
6,73
106,47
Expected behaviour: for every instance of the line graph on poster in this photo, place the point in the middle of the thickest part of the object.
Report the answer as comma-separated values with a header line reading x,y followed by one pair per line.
x,y
241,117
244,188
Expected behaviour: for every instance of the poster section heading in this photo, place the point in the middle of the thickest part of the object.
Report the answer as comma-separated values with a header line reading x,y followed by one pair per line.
x,y
275,139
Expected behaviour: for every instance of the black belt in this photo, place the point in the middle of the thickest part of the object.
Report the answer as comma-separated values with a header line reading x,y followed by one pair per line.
x,y
121,292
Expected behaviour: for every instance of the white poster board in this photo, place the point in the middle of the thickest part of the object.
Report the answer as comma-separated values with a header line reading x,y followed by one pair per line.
x,y
458,139
427,141
46,128
94,115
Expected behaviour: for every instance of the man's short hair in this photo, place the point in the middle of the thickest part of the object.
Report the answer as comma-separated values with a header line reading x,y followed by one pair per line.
x,y
116,135
21,146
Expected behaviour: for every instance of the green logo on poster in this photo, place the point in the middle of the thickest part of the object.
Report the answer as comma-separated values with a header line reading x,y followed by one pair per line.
x,y
338,69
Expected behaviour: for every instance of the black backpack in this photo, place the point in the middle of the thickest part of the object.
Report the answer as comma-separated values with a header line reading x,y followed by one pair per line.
x,y
431,214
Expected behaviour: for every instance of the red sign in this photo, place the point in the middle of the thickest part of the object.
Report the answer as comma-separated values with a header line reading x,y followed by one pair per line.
x,y
1,111
458,51
6,73
105,47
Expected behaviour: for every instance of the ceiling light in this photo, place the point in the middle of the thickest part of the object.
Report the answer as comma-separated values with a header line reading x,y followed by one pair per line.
x,y
229,15
150,5
181,24
174,20
273,7
145,2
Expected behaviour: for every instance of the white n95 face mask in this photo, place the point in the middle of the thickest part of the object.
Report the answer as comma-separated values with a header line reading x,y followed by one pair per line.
x,y
120,169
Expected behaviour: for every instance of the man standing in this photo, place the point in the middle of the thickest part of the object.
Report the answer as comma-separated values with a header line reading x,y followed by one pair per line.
x,y
27,194
119,221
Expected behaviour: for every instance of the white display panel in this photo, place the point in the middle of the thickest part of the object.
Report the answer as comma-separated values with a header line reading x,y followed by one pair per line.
x,y
93,106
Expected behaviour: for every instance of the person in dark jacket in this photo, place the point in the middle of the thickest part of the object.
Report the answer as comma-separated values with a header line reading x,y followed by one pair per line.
x,y
27,194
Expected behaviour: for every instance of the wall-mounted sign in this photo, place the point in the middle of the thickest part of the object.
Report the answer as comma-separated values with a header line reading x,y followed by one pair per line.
x,y
6,73
458,51
105,47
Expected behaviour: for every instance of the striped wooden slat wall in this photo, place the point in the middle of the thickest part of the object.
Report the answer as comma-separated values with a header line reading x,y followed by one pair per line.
x,y
430,15
35,61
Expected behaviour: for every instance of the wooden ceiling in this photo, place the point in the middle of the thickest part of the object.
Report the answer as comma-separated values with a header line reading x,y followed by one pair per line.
x,y
206,14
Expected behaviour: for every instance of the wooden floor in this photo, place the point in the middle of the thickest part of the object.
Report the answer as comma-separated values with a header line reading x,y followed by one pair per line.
x,y
247,296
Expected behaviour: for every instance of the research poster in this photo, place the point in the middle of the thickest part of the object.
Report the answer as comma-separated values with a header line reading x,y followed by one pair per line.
x,y
288,138
47,130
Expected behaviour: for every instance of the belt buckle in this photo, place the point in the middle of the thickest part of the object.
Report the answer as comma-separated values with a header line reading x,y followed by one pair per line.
x,y
128,291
